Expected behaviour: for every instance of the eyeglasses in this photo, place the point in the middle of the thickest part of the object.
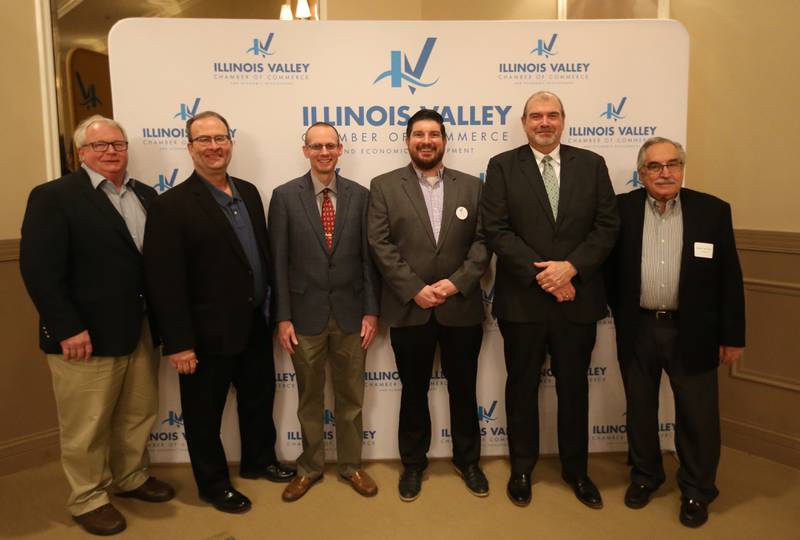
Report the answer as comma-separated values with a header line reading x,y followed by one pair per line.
x,y
102,146
205,140
654,167
317,147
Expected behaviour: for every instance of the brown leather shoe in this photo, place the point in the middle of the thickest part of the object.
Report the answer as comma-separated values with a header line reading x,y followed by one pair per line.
x,y
104,521
362,483
153,490
298,487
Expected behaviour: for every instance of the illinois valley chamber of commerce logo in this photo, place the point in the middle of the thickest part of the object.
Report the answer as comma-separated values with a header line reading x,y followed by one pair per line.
x,y
164,182
401,68
89,97
614,112
168,433
547,49
261,48
185,112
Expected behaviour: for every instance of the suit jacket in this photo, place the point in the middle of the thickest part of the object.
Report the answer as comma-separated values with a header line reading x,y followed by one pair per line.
x,y
407,256
199,280
81,266
521,230
311,280
710,291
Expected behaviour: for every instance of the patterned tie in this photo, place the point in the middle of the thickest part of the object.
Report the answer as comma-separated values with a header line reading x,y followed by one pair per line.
x,y
550,184
328,217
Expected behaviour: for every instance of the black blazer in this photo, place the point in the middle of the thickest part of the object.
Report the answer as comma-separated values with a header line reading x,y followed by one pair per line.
x,y
520,229
81,266
199,281
710,291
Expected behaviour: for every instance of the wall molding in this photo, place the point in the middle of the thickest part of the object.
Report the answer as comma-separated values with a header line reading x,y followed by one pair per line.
x,y
29,450
9,250
780,447
768,241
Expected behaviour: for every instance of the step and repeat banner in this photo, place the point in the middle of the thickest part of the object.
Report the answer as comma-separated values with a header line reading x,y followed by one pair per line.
x,y
621,82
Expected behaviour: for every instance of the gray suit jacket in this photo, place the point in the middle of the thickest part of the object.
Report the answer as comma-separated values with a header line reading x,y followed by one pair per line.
x,y
312,281
407,256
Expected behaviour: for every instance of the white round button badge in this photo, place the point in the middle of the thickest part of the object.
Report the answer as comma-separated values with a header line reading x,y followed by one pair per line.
x,y
461,213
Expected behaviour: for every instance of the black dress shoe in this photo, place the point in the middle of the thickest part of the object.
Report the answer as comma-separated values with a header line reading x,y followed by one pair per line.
x,y
229,500
519,489
693,512
638,495
475,480
410,484
586,492
274,472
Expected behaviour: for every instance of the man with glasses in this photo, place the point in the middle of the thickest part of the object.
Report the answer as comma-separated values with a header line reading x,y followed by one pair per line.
x,y
326,304
428,244
676,293
80,258
208,275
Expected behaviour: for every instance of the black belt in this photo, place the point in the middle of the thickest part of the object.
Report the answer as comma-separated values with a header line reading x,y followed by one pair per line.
x,y
660,314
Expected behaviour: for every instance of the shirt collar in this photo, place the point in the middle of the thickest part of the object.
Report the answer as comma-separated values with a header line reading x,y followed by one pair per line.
x,y
220,196
671,204
421,175
96,178
555,154
319,186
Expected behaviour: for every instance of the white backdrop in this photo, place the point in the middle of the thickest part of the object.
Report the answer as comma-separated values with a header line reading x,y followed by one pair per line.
x,y
621,82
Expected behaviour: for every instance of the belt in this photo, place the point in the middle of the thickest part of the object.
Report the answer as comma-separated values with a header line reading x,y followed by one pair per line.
x,y
660,314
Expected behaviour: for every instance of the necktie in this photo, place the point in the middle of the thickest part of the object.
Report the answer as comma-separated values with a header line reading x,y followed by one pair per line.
x,y
550,184
328,217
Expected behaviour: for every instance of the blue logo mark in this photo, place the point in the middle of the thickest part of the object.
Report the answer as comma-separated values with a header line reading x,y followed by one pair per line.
x,y
165,183
89,95
187,112
404,71
615,113
173,419
329,418
487,415
634,180
260,48
543,49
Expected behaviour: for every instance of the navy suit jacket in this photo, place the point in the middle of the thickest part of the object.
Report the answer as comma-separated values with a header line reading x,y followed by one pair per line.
x,y
81,266
710,291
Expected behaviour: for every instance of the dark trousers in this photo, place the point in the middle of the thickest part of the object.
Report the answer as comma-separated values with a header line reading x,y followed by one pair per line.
x,y
570,346
203,396
414,348
697,432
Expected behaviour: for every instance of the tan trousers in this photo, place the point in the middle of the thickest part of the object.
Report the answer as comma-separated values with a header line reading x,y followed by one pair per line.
x,y
106,407
346,357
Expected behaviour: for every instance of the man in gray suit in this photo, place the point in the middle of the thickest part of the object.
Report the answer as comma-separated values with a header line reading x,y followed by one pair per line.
x,y
326,301
427,241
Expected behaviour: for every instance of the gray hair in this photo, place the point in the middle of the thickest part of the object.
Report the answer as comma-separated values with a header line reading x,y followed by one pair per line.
x,y
79,135
542,95
658,140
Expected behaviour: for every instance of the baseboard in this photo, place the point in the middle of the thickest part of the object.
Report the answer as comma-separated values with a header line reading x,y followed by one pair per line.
x,y
29,451
761,442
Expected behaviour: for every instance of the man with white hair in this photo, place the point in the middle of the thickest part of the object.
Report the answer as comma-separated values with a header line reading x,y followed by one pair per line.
x,y
81,260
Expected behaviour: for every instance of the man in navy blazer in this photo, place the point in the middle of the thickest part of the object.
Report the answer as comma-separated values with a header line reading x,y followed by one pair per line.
x,y
551,218
676,293
81,261
326,297
208,277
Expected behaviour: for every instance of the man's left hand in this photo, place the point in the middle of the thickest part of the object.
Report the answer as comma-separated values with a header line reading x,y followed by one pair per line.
x,y
556,274
728,355
369,327
444,288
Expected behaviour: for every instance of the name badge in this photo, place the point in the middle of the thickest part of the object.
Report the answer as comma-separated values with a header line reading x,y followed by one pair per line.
x,y
704,250
461,213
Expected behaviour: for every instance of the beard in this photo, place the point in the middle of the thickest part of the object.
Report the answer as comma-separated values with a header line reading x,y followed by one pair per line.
x,y
427,164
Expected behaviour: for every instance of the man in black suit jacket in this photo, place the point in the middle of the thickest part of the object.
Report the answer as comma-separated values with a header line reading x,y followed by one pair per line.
x,y
80,258
550,216
676,293
326,293
208,274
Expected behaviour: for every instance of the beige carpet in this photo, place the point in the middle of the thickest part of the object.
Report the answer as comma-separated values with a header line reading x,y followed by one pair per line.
x,y
760,499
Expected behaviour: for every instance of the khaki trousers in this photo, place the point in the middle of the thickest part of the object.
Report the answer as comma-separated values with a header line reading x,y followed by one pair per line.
x,y
106,407
347,369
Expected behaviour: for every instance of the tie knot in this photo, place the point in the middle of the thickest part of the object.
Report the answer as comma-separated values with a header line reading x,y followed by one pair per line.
x,y
325,193
547,159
